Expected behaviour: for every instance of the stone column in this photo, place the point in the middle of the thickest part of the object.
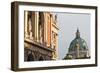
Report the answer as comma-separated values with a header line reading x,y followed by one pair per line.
x,y
77,51
36,26
26,25
45,27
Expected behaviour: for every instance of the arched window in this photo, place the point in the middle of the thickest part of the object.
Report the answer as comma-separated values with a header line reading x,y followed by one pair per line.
x,y
30,57
41,58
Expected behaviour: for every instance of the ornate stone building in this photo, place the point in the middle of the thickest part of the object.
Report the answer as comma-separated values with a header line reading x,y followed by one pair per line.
x,y
78,48
40,36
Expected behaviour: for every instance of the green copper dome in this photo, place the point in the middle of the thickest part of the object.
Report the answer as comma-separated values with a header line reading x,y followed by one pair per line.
x,y
78,40
78,48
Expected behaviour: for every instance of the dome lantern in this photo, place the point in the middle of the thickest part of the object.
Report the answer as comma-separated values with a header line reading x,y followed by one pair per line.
x,y
77,33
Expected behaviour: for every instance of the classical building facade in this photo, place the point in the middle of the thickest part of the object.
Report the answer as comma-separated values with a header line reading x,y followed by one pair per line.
x,y
78,48
40,36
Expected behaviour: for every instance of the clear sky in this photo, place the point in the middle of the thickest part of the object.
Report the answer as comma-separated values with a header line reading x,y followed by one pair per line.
x,y
68,24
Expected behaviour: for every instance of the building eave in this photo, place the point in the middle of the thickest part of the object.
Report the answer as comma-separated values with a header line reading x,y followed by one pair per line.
x,y
39,45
